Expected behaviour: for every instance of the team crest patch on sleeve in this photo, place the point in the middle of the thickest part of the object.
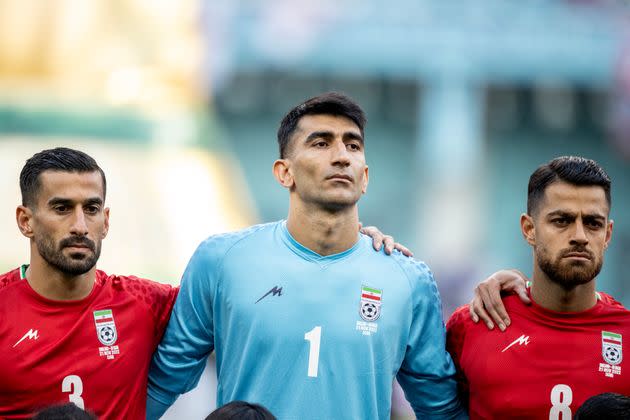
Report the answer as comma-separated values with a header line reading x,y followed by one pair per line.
x,y
612,353
106,332
369,309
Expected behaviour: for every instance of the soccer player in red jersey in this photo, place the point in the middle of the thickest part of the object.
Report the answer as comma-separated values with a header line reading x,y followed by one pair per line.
x,y
70,332
568,344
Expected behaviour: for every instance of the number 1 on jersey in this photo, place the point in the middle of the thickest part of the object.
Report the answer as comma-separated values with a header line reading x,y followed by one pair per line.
x,y
313,336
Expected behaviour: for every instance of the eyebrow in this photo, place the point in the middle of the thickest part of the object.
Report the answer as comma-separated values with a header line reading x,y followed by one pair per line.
x,y
563,213
67,202
348,135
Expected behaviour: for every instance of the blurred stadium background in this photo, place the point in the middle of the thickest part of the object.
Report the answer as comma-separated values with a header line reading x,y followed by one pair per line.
x,y
180,101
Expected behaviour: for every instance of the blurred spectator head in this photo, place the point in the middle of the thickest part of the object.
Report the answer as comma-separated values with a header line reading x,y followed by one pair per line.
x,y
64,412
241,410
607,406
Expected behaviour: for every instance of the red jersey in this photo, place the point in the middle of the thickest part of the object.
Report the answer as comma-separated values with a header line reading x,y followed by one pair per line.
x,y
94,352
545,365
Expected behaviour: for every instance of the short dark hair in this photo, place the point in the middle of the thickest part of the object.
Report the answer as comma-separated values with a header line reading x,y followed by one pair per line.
x,y
329,103
241,410
60,159
607,406
67,411
574,170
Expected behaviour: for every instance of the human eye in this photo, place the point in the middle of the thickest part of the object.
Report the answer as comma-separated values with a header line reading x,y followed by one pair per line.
x,y
594,224
560,221
92,209
354,146
60,208
320,144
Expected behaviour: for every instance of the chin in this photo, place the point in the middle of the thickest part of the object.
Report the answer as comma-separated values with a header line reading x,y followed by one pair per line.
x,y
573,276
337,205
342,199
77,270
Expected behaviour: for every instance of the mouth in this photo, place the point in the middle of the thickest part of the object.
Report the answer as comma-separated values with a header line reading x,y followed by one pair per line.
x,y
78,246
78,249
578,255
340,177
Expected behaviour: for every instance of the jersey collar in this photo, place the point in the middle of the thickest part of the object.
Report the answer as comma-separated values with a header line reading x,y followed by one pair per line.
x,y
311,255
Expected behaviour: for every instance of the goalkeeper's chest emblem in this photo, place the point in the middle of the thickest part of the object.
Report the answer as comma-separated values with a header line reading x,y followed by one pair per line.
x,y
105,327
370,308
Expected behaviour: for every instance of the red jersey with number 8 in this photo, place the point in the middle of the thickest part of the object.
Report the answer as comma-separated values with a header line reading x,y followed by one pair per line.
x,y
546,364
94,352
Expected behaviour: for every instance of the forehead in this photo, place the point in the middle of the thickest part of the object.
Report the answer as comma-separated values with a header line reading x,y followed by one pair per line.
x,y
326,122
576,198
71,185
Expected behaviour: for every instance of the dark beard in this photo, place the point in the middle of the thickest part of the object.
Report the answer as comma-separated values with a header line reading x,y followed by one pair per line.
x,y
568,274
74,265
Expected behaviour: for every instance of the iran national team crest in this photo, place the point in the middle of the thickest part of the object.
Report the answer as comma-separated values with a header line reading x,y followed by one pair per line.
x,y
611,347
370,309
105,327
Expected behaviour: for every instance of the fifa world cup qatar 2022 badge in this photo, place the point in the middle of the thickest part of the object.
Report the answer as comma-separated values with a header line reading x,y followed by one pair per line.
x,y
612,354
369,309
106,333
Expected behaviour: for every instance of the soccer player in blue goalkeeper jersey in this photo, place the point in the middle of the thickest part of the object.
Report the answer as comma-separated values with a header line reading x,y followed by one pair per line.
x,y
304,317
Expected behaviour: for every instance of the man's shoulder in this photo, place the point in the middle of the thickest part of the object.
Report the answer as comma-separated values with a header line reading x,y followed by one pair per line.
x,y
411,266
410,274
460,319
153,293
10,277
417,271
221,243
611,304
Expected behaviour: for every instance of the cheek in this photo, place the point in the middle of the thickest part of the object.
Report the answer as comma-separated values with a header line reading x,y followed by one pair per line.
x,y
304,173
98,227
43,230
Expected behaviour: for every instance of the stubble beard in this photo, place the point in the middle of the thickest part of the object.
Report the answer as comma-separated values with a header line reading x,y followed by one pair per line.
x,y
334,203
75,264
568,274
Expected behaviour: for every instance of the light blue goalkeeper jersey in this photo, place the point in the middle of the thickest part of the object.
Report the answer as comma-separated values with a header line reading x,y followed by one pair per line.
x,y
307,336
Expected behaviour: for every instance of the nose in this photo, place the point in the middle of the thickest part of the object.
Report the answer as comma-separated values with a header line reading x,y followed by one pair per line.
x,y
579,234
79,224
340,155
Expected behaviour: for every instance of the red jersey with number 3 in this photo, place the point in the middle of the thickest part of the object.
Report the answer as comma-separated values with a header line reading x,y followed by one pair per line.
x,y
94,352
546,364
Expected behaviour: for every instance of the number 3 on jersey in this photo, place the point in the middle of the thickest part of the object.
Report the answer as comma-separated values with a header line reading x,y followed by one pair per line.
x,y
561,399
313,336
74,385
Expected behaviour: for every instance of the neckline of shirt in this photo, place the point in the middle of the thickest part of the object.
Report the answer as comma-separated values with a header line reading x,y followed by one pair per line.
x,y
313,256
565,315
58,303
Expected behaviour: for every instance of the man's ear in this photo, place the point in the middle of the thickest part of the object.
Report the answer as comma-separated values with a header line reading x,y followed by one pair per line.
x,y
282,173
24,218
609,231
528,229
106,222
366,179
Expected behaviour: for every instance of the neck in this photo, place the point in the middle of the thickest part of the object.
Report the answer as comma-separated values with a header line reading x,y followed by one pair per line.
x,y
323,231
49,282
550,295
